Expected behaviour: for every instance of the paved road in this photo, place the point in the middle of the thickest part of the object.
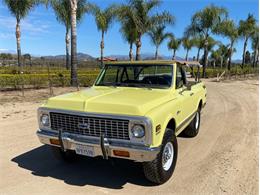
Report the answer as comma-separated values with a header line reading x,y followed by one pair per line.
x,y
222,159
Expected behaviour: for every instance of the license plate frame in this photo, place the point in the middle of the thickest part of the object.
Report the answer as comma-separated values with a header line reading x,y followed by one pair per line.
x,y
85,150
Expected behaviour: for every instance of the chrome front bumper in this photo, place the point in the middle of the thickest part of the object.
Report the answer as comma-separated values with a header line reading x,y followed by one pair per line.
x,y
102,146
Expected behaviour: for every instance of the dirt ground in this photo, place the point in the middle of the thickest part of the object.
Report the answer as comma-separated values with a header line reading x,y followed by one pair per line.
x,y
222,159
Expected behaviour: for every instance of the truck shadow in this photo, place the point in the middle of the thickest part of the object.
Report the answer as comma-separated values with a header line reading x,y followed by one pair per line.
x,y
84,171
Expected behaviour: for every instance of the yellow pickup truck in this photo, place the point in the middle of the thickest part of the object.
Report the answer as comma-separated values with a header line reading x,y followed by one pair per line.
x,y
133,111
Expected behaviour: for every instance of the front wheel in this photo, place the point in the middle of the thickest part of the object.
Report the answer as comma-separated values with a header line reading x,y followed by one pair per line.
x,y
161,168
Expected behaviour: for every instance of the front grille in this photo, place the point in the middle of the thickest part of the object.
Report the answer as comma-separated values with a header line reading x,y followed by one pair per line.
x,y
90,126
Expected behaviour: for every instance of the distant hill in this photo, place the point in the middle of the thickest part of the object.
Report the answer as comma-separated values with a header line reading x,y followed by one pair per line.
x,y
81,56
237,61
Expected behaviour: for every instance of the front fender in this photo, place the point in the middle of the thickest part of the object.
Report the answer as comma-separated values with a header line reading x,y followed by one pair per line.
x,y
160,118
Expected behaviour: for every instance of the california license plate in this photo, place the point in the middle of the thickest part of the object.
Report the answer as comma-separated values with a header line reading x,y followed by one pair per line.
x,y
85,150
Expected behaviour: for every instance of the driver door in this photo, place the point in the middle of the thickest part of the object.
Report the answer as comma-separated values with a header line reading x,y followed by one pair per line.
x,y
183,95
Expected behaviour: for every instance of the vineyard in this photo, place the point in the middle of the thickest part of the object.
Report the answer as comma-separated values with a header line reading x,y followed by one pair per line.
x,y
43,76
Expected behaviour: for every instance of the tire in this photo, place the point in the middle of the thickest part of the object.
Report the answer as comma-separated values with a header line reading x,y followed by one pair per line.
x,y
192,129
154,170
68,156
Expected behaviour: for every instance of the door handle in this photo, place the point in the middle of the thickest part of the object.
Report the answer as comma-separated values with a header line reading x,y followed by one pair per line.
x,y
178,112
191,94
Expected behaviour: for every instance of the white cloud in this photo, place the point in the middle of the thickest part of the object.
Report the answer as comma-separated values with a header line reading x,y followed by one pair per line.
x,y
29,26
6,51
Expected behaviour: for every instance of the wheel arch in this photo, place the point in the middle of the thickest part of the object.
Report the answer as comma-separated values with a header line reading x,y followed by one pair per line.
x,y
171,124
200,104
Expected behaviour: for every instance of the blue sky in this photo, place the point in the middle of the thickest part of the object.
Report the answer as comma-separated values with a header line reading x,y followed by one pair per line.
x,y
43,35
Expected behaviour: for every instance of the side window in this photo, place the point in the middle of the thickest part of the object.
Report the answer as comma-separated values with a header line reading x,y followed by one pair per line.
x,y
180,77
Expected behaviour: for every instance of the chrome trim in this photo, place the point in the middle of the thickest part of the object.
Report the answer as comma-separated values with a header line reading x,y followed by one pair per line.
x,y
40,113
147,140
183,123
139,153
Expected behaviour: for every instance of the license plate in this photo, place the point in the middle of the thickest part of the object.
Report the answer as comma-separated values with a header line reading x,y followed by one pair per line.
x,y
85,150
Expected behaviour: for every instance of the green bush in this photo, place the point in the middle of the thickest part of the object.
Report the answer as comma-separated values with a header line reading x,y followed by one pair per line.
x,y
15,81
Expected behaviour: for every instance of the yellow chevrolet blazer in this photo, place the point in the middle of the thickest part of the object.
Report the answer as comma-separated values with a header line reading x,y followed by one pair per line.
x,y
133,111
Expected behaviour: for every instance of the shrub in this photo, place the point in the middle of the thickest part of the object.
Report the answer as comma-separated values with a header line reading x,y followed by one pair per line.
x,y
15,81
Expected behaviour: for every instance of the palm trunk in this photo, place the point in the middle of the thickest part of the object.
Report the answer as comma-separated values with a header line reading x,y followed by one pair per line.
x,y
187,54
255,55
244,52
138,48
74,61
221,62
230,55
205,58
131,58
18,41
198,54
102,50
174,54
67,41
156,53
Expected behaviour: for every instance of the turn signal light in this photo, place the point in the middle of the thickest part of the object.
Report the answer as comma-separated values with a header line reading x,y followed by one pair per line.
x,y
121,153
55,141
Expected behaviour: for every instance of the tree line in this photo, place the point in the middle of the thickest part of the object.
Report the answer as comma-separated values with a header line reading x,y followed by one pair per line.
x,y
137,18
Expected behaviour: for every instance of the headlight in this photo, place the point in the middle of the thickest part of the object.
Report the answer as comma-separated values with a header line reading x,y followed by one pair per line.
x,y
138,131
45,120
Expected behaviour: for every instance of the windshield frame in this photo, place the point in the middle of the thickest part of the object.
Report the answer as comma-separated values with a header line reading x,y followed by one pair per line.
x,y
133,85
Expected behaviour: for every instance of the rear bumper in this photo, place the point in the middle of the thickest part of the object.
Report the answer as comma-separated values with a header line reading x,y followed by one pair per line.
x,y
137,153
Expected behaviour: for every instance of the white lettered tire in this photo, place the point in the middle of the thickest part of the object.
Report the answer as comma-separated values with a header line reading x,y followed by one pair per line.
x,y
162,167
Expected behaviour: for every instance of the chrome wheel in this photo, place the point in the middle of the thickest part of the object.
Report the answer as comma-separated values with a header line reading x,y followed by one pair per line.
x,y
197,120
167,156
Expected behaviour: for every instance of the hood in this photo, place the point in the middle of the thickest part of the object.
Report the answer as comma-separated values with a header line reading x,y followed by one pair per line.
x,y
110,100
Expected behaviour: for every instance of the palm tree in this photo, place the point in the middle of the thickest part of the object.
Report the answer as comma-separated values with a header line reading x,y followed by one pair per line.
x,y
75,5
20,9
255,45
157,36
204,23
212,43
174,45
215,56
129,34
229,29
141,13
246,29
62,11
187,44
199,43
223,50
104,19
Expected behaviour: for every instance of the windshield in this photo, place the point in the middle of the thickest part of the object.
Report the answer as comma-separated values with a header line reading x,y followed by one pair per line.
x,y
150,76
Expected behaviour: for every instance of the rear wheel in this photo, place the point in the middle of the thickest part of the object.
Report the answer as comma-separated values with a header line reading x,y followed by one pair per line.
x,y
161,168
68,155
193,129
